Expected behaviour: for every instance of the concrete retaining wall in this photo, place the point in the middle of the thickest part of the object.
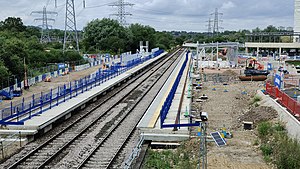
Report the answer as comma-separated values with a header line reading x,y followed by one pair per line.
x,y
292,124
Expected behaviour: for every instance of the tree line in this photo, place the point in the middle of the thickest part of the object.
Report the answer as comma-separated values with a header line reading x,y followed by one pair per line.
x,y
20,44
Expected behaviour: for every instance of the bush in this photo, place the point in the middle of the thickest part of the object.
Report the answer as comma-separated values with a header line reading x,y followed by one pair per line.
x,y
182,157
277,146
266,149
255,99
264,129
287,153
278,127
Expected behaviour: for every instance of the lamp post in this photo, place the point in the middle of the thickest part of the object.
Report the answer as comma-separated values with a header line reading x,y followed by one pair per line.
x,y
14,77
8,81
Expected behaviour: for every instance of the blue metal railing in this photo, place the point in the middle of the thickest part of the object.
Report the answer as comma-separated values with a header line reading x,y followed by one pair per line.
x,y
39,103
168,102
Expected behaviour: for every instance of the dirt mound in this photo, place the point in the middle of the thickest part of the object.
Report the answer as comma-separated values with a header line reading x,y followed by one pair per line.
x,y
259,114
230,73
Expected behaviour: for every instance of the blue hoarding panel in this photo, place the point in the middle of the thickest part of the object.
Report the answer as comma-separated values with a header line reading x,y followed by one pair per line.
x,y
277,81
270,66
61,66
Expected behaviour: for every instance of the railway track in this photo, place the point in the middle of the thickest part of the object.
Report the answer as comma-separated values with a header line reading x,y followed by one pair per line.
x,y
100,134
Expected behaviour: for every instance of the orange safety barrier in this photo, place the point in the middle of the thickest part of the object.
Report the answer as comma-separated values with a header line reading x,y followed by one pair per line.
x,y
291,104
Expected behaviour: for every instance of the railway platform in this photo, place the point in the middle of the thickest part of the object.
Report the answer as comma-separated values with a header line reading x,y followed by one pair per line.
x,y
44,121
150,124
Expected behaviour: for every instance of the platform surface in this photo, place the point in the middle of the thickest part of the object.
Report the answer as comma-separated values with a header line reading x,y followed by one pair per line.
x,y
150,123
50,116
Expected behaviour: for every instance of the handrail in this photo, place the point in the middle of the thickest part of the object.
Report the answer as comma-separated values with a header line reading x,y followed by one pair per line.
x,y
167,104
46,100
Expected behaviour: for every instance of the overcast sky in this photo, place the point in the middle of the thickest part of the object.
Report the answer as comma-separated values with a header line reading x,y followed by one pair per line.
x,y
185,15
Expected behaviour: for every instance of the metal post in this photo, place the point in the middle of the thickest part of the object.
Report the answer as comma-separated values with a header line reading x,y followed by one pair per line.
x,y
199,161
51,99
91,82
17,113
11,108
86,86
20,137
70,90
23,100
30,110
82,85
95,80
64,92
41,102
57,97
76,87
33,100
217,55
2,149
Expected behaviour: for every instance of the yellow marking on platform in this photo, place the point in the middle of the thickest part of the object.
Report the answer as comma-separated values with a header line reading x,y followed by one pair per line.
x,y
157,111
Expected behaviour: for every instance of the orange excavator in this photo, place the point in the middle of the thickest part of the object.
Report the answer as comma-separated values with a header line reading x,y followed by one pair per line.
x,y
254,71
253,62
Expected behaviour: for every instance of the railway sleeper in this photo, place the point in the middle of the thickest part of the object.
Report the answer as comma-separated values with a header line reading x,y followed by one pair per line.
x,y
93,166
27,167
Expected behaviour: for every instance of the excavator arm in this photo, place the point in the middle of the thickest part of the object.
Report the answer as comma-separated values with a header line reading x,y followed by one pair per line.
x,y
257,65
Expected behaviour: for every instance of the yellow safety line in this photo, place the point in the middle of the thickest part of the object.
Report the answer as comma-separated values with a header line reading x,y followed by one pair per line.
x,y
157,111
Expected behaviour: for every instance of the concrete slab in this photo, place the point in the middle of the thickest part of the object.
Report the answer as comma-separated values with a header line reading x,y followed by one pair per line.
x,y
166,137
152,114
150,123
23,132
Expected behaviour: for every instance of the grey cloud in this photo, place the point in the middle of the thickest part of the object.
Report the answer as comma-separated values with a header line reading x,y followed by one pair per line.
x,y
189,15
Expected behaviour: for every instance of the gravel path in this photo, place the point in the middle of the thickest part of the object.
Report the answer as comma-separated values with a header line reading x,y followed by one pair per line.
x,y
229,109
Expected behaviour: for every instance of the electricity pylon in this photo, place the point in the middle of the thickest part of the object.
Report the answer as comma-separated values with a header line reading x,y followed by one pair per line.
x,y
217,21
45,37
71,34
121,15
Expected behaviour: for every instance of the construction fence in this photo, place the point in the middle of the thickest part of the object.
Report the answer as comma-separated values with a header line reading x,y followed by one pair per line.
x,y
282,98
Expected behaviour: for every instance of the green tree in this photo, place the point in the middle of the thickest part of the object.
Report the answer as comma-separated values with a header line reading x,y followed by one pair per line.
x,y
165,40
271,28
4,73
13,24
105,35
142,33
12,53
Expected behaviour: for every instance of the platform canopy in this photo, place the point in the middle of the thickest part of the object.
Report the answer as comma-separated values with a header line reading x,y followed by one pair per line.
x,y
216,44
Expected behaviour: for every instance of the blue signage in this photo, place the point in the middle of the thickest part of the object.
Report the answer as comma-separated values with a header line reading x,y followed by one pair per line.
x,y
277,81
61,66
270,66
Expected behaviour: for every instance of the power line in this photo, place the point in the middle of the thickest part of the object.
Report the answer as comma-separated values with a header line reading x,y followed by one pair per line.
x,y
96,6
71,34
209,26
121,11
167,13
45,37
217,21
154,19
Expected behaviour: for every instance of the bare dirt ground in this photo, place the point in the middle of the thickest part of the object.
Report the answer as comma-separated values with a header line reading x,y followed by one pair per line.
x,y
229,109
47,86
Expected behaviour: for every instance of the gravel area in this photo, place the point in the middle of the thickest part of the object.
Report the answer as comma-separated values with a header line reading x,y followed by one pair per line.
x,y
228,106
47,86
